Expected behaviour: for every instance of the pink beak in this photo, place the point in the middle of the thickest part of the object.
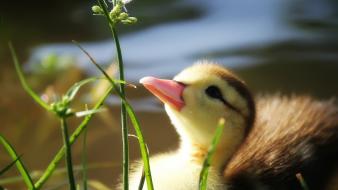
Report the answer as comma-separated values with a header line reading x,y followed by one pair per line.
x,y
168,91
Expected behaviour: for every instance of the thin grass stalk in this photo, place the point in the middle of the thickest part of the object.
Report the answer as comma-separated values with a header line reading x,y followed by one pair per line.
x,y
207,161
125,142
302,181
134,120
19,164
84,161
53,164
68,156
9,166
140,185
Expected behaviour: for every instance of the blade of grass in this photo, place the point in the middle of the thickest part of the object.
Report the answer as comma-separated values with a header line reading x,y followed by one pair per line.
x,y
19,164
87,112
53,164
59,171
23,81
68,155
72,91
302,182
140,186
9,166
134,120
207,161
84,160
125,142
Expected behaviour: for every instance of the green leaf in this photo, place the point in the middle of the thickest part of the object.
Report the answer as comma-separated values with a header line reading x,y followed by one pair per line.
x,y
23,81
207,162
71,93
88,112
5,169
22,169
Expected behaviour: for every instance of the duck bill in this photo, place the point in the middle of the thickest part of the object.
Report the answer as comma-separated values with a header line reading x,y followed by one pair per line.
x,y
168,91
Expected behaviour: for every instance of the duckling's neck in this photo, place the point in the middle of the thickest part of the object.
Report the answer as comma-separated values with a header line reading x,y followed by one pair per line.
x,y
196,153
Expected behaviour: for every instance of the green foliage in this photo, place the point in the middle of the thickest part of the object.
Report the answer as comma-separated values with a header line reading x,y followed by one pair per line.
x,y
61,108
113,17
134,120
125,143
78,131
207,161
52,64
23,81
19,164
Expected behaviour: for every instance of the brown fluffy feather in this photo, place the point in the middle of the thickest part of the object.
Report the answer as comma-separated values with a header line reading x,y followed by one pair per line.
x,y
290,135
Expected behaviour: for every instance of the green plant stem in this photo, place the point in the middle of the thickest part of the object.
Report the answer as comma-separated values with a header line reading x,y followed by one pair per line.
x,y
67,145
134,120
53,164
143,147
84,160
136,124
125,142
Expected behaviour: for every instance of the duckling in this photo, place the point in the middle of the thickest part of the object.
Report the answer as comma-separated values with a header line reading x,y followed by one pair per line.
x,y
260,148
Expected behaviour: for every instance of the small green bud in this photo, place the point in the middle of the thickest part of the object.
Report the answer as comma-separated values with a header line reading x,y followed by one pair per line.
x,y
116,10
120,3
123,16
97,9
112,15
130,20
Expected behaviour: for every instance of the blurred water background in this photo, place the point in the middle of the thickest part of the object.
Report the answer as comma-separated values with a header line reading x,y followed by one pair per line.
x,y
289,46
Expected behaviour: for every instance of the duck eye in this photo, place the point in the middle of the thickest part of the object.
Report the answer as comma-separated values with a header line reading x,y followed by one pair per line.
x,y
214,92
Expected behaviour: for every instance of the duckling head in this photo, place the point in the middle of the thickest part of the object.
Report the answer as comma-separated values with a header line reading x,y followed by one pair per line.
x,y
197,98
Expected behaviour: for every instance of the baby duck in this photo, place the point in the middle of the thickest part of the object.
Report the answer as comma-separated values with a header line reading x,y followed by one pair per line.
x,y
259,149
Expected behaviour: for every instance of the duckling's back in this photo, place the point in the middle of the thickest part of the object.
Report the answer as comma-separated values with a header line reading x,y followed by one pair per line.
x,y
291,135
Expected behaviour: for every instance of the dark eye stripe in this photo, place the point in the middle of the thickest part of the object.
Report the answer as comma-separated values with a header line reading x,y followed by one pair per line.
x,y
215,92
242,89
